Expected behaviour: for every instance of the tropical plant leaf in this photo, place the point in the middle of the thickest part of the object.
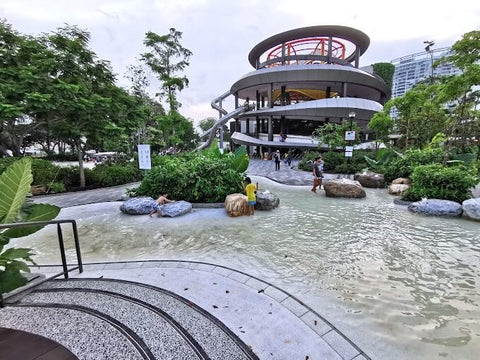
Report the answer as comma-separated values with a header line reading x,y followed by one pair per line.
x,y
10,280
242,150
372,163
16,253
40,212
240,163
14,185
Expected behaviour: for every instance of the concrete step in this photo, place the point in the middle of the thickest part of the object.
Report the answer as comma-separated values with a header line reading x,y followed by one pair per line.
x,y
86,335
163,324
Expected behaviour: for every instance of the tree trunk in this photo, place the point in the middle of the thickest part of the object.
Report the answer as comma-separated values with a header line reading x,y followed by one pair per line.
x,y
81,169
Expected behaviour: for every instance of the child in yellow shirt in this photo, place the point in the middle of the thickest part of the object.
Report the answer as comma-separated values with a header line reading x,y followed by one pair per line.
x,y
251,191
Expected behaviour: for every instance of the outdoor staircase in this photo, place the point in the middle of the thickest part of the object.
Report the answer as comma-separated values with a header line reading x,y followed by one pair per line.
x,y
116,319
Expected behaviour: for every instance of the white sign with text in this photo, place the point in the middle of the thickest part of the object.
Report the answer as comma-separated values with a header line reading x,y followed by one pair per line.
x,y
144,161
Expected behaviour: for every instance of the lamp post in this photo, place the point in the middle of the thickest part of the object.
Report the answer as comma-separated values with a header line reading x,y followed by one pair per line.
x,y
428,50
351,116
350,137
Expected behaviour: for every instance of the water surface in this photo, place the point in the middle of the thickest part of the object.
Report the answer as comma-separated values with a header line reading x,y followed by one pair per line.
x,y
400,285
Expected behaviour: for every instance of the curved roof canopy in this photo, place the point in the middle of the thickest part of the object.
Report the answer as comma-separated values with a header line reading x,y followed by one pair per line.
x,y
356,37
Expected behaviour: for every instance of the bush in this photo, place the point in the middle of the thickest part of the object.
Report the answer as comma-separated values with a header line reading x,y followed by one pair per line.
x,y
56,187
307,160
404,166
194,178
44,172
436,181
112,174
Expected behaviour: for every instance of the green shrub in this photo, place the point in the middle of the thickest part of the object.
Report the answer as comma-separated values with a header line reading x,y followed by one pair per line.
x,y
436,181
193,177
307,160
44,172
56,187
70,176
115,174
404,166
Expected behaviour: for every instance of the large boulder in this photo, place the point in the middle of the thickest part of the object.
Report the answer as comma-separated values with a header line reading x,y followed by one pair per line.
x,y
436,207
471,208
144,205
405,181
266,200
344,188
236,205
138,206
176,208
370,180
398,189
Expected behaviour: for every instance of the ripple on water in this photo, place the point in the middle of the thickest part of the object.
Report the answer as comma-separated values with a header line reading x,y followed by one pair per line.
x,y
407,282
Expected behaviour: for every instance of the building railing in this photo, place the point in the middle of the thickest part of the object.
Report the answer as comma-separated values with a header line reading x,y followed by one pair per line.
x,y
61,245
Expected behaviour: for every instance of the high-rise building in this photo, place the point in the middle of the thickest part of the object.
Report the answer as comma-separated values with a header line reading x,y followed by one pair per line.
x,y
414,68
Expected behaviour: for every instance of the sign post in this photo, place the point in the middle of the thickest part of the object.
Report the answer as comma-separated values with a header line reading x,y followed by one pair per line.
x,y
144,161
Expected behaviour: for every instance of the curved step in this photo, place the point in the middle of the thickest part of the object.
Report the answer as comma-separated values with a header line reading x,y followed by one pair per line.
x,y
86,335
197,327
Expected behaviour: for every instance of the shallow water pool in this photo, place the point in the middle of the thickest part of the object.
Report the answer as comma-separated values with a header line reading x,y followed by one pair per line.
x,y
400,285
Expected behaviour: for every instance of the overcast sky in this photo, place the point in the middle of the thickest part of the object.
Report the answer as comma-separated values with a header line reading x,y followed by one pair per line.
x,y
221,33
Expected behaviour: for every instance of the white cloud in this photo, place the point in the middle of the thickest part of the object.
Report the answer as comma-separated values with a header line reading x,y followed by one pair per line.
x,y
221,33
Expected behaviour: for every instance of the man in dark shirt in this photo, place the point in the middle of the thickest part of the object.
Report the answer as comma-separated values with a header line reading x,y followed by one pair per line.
x,y
317,174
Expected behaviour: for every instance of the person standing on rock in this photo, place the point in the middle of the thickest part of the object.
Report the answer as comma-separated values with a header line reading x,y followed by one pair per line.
x,y
317,174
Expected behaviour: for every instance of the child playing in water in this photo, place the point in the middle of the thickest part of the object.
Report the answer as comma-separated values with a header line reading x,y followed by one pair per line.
x,y
251,191
162,200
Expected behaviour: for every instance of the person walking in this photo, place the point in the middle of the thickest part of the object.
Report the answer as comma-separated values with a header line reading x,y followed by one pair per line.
x,y
289,158
317,174
277,158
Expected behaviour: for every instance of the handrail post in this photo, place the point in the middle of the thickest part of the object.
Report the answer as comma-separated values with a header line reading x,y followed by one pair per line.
x,y
77,246
62,251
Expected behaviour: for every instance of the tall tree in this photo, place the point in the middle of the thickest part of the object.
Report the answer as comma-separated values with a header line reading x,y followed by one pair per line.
x,y
381,124
25,86
421,114
461,93
167,57
207,123
84,86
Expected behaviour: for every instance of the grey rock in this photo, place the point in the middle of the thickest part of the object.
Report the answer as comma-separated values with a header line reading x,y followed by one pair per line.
x,y
266,200
370,180
138,206
398,189
344,188
471,208
436,207
176,208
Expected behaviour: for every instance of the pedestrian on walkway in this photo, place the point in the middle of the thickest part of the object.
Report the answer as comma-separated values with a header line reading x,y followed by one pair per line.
x,y
289,158
317,174
277,158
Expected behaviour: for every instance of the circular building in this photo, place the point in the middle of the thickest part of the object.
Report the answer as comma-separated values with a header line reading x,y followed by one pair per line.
x,y
303,78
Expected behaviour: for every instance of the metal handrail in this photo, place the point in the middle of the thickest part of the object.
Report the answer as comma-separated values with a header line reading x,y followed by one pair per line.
x,y
61,244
